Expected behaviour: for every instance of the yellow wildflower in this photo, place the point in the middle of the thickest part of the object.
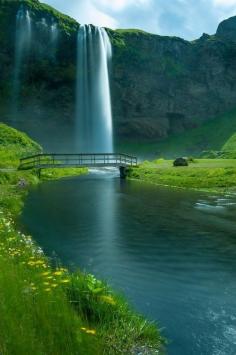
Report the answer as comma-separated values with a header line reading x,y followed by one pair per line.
x,y
88,331
108,299
91,331
58,273
64,281
45,273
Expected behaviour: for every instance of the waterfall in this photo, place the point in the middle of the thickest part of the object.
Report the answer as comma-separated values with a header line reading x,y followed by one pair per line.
x,y
54,34
93,101
22,46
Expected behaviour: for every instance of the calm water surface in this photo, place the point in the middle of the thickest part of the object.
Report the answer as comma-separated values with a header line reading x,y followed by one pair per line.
x,y
173,253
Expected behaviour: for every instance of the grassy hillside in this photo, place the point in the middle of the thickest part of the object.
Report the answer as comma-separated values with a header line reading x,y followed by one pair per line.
x,y
14,145
230,145
212,135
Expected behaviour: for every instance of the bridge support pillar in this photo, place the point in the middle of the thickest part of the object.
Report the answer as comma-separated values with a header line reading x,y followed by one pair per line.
x,y
123,172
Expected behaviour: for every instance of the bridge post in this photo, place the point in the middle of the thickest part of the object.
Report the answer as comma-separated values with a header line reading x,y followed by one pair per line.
x,y
123,172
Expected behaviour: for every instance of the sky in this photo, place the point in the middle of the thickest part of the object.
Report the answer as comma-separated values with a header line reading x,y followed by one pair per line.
x,y
184,18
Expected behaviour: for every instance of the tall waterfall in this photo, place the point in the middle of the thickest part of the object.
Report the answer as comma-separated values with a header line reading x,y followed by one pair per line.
x,y
54,33
22,46
93,111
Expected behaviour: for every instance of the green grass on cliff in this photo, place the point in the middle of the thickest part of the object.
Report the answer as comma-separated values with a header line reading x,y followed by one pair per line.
x,y
48,310
212,135
208,174
230,145
9,8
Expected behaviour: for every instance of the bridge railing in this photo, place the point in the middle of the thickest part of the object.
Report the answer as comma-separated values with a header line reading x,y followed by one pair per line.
x,y
77,160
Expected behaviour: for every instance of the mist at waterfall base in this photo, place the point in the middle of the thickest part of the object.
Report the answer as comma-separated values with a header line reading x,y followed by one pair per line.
x,y
93,131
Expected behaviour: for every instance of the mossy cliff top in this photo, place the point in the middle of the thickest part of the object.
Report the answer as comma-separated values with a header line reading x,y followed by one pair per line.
x,y
37,10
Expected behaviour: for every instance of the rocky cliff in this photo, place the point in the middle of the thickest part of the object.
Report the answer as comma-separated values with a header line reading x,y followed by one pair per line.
x,y
160,85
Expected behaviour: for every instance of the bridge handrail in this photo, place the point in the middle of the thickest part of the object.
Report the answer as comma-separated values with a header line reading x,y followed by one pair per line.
x,y
44,160
75,154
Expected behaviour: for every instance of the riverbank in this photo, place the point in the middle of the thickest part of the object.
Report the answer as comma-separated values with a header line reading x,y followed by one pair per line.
x,y
216,175
47,309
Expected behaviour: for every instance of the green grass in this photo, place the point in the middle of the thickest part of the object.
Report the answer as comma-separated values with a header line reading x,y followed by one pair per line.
x,y
14,145
48,310
211,135
230,145
66,23
208,174
35,314
58,173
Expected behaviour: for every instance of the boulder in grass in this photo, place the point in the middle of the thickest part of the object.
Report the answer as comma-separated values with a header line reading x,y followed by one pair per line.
x,y
181,162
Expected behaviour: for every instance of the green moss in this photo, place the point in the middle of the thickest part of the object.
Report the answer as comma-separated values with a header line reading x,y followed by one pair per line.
x,y
65,23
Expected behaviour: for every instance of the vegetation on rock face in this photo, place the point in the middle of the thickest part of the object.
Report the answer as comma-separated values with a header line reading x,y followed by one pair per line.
x,y
37,9
46,310
211,138
230,145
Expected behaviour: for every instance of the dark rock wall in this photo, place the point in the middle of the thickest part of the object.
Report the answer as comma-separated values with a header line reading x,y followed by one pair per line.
x,y
160,85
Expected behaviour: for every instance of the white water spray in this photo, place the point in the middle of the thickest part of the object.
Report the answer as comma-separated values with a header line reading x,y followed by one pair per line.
x,y
22,46
93,111
54,34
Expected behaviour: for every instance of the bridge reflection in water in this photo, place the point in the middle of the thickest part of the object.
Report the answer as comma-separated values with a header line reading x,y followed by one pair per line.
x,y
45,161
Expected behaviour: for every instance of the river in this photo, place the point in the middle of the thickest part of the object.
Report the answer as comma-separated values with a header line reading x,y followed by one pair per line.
x,y
171,252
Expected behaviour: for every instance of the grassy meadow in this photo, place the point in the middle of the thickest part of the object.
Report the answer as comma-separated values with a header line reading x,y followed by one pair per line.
x,y
204,174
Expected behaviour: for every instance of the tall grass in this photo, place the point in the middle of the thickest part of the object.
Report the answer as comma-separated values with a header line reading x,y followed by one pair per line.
x,y
36,317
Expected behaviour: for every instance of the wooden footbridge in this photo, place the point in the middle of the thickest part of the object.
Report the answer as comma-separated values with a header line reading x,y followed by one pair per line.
x,y
45,161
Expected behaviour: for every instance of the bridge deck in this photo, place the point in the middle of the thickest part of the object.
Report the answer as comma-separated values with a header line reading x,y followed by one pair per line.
x,y
45,161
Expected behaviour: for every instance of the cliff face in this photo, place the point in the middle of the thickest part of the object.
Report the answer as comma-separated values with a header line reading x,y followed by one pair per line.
x,y
167,85
160,85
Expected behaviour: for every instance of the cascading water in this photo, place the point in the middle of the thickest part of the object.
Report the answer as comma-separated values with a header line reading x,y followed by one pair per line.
x,y
94,115
54,33
22,46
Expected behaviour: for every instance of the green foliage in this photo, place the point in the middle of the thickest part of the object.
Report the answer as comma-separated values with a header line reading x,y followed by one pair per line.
x,y
230,145
117,324
14,145
65,22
